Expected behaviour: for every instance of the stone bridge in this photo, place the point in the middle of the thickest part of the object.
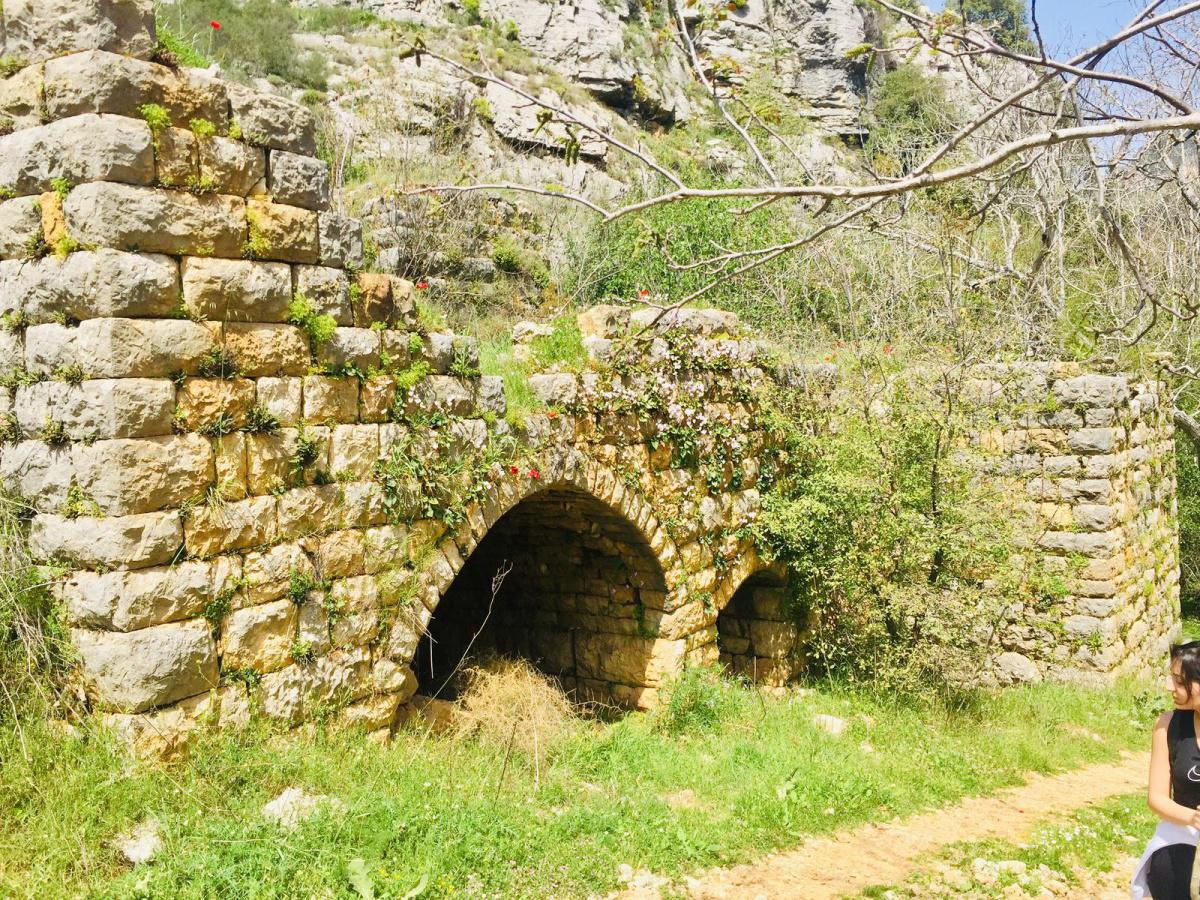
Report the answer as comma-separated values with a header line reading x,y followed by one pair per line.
x,y
265,483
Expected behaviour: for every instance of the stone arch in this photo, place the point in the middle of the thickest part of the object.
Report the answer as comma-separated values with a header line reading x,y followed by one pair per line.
x,y
756,636
589,577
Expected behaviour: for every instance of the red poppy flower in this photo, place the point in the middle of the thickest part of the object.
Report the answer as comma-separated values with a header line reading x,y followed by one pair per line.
x,y
512,470
535,474
551,414
887,348
643,293
422,285
215,25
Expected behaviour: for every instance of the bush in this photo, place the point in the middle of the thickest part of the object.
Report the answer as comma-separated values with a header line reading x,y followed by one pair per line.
x,y
1187,474
699,700
910,115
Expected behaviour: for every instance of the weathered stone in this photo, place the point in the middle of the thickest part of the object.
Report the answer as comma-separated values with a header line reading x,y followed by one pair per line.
x,y
100,82
338,554
93,284
351,347
230,167
259,637
140,218
98,409
328,290
270,350
127,601
175,158
271,461
229,457
141,844
236,289
282,232
270,121
490,395
299,180
138,475
119,348
293,806
1093,390
219,404
407,629
353,449
267,573
282,398
555,390
833,725
309,510
375,398
441,393
341,243
39,474
231,526
1094,440
330,399
357,603
312,625
290,693
602,321
138,670
41,29
127,542
20,224
22,98
437,350
377,711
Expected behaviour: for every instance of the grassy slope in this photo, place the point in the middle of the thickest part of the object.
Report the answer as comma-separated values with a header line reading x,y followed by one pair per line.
x,y
759,776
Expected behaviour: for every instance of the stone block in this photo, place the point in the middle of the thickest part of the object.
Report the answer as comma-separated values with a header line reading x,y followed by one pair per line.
x,y
437,350
175,158
79,149
555,390
125,542
94,284
259,637
267,573
773,640
330,399
140,475
490,395
372,302
310,510
269,461
1095,440
312,624
281,232
270,121
20,224
375,398
214,403
282,398
42,29
230,526
291,693
378,711
119,348
299,180
138,670
101,82
229,458
1093,390
603,321
356,620
341,242
126,217
128,601
353,449
237,290
328,290
384,548
267,350
230,167
338,554
1089,544
22,98
40,474
441,393
407,628
98,409
351,347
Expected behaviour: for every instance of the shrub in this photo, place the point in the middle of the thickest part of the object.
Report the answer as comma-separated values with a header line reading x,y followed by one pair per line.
x,y
319,328
699,699
910,115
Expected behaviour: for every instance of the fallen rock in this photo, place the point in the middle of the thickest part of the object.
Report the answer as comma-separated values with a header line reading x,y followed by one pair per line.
x,y
831,724
293,806
141,844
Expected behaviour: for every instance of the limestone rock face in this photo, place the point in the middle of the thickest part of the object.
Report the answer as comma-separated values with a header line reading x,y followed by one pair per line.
x,y
236,289
270,121
20,222
40,29
142,475
98,409
123,542
138,670
91,284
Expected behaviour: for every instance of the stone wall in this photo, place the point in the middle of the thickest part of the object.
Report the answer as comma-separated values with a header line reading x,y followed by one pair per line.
x,y
263,482
1090,458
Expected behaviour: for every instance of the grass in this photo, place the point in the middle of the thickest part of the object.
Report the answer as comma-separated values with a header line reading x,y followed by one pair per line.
x,y
467,816
1093,840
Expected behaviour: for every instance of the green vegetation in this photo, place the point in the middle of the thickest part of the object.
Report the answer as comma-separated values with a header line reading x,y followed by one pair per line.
x,y
910,116
1008,20
756,772
318,327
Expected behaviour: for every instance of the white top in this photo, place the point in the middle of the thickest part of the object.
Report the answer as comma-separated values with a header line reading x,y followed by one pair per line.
x,y
1165,834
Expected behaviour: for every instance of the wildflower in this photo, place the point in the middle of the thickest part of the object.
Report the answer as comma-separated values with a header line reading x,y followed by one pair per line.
x,y
643,293
214,25
422,285
552,414
535,474
887,348
513,470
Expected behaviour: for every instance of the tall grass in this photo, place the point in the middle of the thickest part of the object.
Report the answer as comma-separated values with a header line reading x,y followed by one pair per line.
x,y
475,817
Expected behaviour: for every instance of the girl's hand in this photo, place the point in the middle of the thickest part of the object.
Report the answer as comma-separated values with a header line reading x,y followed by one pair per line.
x,y
1195,822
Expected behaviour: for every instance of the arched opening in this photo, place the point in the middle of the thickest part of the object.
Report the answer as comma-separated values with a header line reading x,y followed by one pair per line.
x,y
757,635
562,580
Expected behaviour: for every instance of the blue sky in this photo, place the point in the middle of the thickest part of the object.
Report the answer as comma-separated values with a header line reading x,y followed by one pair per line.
x,y
1075,24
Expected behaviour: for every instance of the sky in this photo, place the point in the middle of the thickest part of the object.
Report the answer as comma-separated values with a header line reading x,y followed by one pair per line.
x,y
1076,24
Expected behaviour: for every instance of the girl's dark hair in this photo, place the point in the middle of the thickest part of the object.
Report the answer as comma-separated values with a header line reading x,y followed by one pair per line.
x,y
1188,654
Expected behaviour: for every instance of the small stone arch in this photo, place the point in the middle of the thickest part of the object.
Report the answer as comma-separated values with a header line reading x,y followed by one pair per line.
x,y
587,572
757,637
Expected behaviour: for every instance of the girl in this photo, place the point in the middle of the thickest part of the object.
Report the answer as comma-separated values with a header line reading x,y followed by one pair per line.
x,y
1165,871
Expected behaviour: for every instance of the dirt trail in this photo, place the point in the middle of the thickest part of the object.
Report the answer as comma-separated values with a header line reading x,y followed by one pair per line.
x,y
850,861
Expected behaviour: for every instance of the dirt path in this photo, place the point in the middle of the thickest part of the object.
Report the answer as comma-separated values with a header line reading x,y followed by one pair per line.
x,y
850,861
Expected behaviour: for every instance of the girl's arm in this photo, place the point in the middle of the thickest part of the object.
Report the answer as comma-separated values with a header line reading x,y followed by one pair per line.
x,y
1159,798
